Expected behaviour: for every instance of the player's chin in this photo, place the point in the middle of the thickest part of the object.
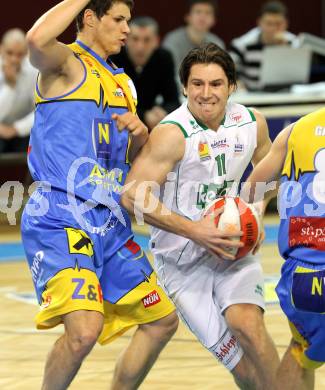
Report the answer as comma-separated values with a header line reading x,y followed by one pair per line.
x,y
116,48
207,115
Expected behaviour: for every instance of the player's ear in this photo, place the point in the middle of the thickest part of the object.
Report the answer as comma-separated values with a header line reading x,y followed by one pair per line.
x,y
184,92
89,18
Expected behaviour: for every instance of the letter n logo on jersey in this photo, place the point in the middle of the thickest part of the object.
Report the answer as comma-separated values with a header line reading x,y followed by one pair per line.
x,y
151,299
103,137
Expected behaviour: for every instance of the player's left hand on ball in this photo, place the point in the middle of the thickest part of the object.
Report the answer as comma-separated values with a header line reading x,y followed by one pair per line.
x,y
260,241
132,123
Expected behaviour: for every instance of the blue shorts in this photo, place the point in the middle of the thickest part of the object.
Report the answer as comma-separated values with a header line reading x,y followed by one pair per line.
x,y
74,269
301,291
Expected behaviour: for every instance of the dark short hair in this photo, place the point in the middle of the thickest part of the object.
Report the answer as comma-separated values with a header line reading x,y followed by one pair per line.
x,y
274,7
191,3
145,21
209,53
100,7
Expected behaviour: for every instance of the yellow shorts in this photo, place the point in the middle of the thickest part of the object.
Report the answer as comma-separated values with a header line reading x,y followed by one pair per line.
x,y
126,293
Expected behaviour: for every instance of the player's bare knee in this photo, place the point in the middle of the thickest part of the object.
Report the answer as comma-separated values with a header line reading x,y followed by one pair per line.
x,y
81,343
249,327
251,335
82,338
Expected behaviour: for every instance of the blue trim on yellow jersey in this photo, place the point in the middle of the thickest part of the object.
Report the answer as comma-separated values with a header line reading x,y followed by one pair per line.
x,y
81,100
68,93
100,59
116,70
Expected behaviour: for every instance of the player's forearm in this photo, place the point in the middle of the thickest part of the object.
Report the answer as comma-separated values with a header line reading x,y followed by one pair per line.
x,y
260,181
172,222
157,214
54,22
269,195
259,192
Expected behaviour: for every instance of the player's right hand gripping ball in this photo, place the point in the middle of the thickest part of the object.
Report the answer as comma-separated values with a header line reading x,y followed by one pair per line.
x,y
237,216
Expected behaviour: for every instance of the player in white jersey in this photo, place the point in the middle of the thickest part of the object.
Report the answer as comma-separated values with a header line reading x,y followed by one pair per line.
x,y
197,153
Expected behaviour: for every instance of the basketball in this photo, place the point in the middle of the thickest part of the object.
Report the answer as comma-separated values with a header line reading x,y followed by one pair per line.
x,y
237,215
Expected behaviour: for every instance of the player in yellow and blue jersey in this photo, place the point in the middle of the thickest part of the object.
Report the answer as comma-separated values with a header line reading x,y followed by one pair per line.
x,y
88,272
298,154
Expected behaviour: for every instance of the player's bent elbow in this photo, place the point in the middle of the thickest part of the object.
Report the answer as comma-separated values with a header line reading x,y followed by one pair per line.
x,y
35,38
32,38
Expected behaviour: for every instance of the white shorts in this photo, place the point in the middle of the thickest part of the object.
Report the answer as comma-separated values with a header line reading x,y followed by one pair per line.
x,y
202,286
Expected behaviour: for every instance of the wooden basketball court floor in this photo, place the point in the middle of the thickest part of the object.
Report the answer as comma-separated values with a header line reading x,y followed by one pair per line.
x,y
183,364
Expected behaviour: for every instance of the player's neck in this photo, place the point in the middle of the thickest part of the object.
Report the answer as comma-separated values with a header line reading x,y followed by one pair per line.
x,y
212,124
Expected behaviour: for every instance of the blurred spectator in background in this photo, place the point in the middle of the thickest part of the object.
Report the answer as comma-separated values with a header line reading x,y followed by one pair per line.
x,y
17,82
200,18
152,70
247,50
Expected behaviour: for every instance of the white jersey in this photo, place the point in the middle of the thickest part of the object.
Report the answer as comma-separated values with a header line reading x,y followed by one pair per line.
x,y
212,166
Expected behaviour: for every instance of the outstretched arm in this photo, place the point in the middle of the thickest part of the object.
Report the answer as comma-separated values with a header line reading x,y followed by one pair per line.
x,y
164,149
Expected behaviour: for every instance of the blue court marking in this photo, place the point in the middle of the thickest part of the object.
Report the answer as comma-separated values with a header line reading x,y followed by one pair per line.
x,y
11,251
271,234
14,251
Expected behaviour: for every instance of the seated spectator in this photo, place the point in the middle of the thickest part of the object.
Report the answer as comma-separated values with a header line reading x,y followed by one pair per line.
x,y
152,70
200,18
17,83
247,50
